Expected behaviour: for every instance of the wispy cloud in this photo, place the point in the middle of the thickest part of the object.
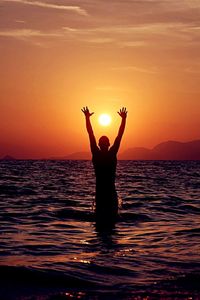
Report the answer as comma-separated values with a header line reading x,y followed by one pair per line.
x,y
137,35
193,68
109,88
162,34
26,33
76,9
20,21
136,69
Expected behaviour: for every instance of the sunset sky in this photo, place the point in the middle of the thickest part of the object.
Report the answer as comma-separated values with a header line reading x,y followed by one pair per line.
x,y
58,56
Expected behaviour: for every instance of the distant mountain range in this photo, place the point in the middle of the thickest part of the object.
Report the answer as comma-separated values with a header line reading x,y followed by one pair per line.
x,y
8,157
170,150
76,155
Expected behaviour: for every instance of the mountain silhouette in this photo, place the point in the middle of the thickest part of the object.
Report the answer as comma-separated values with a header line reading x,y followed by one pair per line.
x,y
73,156
170,150
8,157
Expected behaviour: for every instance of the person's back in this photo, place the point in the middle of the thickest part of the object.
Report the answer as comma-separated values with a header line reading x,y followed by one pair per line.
x,y
105,162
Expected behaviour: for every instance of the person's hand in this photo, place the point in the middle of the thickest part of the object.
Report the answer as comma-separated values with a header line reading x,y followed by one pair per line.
x,y
86,112
123,112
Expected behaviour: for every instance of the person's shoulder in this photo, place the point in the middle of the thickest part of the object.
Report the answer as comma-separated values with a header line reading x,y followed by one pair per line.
x,y
95,151
112,151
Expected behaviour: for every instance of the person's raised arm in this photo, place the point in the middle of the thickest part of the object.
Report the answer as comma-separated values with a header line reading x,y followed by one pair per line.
x,y
93,144
123,115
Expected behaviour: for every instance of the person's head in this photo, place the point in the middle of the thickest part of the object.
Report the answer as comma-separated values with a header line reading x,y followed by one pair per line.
x,y
104,143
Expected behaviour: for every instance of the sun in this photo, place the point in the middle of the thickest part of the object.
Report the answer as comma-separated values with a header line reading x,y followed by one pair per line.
x,y
104,119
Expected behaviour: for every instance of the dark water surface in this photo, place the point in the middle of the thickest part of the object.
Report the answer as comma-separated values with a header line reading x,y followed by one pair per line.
x,y
50,248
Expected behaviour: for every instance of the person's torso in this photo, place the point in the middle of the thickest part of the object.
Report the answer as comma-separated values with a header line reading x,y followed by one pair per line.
x,y
105,167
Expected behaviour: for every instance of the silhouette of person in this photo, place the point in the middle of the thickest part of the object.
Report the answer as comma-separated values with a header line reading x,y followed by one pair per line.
x,y
105,161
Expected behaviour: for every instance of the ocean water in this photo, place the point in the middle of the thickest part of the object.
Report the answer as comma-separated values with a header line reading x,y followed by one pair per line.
x,y
50,247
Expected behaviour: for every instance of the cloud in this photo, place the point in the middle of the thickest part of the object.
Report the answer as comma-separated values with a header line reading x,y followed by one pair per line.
x,y
121,29
136,69
193,68
20,21
137,35
166,35
76,9
26,33
34,37
109,88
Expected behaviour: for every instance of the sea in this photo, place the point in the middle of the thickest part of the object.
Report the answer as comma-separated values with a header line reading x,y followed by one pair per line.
x,y
51,249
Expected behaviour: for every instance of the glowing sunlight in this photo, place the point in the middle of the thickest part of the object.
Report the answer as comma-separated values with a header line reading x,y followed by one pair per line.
x,y
104,119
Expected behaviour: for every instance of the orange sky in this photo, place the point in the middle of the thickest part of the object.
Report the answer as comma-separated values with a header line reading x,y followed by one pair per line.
x,y
57,56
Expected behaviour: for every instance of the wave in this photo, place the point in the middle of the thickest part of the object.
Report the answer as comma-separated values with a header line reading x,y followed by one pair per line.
x,y
38,277
30,283
191,232
78,215
134,217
